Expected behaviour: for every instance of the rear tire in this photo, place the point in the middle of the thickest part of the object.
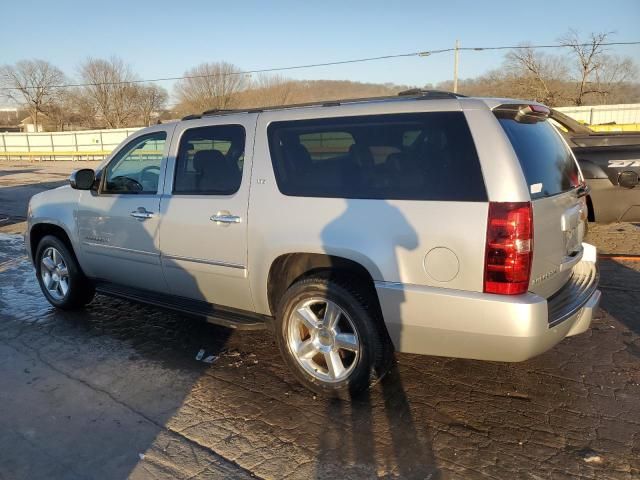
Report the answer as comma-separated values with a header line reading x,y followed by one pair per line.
x,y
331,336
59,275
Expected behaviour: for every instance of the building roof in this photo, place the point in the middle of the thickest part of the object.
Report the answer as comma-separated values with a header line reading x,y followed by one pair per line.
x,y
28,120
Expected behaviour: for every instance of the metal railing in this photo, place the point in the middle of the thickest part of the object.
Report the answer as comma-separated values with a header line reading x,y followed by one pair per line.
x,y
600,114
75,145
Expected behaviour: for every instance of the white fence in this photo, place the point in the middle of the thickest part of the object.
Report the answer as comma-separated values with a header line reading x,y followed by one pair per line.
x,y
98,143
596,115
64,142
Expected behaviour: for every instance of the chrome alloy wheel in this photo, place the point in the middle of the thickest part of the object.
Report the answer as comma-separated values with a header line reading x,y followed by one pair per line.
x,y
323,339
54,273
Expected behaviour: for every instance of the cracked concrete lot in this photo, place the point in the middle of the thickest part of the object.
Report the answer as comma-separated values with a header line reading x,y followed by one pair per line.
x,y
116,391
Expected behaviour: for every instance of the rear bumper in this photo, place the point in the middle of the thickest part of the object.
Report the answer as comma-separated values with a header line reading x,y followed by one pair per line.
x,y
436,321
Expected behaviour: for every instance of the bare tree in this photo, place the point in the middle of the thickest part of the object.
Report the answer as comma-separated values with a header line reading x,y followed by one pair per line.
x,y
83,108
210,86
594,71
150,100
63,111
612,76
110,86
535,75
589,54
33,84
272,90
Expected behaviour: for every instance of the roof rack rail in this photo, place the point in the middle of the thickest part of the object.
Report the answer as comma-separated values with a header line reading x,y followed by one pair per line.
x,y
217,111
415,94
419,92
226,111
191,117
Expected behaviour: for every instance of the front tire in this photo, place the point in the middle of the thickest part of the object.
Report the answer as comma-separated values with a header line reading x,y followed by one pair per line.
x,y
331,336
59,275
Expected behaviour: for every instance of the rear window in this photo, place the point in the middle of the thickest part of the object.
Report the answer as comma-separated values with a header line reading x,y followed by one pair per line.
x,y
547,163
424,156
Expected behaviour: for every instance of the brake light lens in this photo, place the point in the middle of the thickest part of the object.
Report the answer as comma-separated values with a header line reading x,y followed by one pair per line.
x,y
540,109
509,249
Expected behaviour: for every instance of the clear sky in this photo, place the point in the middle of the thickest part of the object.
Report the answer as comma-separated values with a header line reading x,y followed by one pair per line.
x,y
164,38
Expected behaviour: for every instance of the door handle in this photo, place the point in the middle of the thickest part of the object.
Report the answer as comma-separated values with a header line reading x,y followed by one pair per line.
x,y
141,213
225,217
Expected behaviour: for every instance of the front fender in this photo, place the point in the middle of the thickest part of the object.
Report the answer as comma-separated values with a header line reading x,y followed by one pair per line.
x,y
54,207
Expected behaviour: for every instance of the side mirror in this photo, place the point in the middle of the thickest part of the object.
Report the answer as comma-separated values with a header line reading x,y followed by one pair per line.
x,y
82,179
628,179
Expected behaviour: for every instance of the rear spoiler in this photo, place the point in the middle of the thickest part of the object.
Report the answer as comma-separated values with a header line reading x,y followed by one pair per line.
x,y
523,113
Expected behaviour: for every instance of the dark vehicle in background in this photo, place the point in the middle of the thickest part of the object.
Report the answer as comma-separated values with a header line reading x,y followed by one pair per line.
x,y
610,163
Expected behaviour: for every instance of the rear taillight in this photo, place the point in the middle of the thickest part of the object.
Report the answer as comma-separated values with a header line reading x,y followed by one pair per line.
x,y
509,248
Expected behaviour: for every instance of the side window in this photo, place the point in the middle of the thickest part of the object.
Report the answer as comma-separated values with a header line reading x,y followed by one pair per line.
x,y
408,156
210,160
136,168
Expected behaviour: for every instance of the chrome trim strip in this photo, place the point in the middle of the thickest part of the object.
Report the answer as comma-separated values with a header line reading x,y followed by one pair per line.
x,y
216,263
122,249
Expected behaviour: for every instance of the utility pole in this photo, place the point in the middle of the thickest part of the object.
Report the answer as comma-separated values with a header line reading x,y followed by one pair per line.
x,y
455,67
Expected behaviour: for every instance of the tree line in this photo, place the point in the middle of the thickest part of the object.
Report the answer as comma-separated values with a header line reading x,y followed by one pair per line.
x,y
107,92
584,74
110,95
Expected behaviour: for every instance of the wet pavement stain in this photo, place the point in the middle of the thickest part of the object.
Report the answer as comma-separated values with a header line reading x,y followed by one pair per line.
x,y
154,410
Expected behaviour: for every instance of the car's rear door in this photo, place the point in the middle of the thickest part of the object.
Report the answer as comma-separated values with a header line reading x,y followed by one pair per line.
x,y
203,233
555,185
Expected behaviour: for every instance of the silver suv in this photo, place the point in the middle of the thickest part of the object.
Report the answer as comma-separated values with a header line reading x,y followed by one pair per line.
x,y
427,223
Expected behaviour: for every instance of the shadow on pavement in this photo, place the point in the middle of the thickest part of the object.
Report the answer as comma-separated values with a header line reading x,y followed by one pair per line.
x,y
351,438
621,293
90,391
14,199
104,431
5,173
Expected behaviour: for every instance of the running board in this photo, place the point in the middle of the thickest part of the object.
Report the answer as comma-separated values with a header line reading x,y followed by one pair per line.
x,y
215,314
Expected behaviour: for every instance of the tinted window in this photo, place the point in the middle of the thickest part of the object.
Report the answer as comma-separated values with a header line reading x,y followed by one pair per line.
x,y
547,163
322,145
136,168
424,156
210,160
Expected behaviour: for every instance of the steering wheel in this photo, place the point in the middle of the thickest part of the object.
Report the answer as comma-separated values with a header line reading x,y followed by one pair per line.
x,y
145,170
127,184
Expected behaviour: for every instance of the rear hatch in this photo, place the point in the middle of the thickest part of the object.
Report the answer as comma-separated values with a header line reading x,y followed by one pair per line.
x,y
557,194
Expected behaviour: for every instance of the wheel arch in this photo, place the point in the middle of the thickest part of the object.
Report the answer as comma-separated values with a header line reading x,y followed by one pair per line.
x,y
40,230
288,268
591,213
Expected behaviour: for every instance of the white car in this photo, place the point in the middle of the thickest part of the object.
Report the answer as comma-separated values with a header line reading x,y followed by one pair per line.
x,y
427,223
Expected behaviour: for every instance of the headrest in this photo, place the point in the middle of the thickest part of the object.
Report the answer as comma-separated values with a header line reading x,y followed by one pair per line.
x,y
362,154
202,158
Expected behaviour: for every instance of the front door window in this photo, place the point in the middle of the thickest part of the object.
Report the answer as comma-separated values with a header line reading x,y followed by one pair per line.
x,y
136,168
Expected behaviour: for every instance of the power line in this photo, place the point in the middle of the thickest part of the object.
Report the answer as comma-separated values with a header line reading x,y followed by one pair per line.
x,y
535,47
424,53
